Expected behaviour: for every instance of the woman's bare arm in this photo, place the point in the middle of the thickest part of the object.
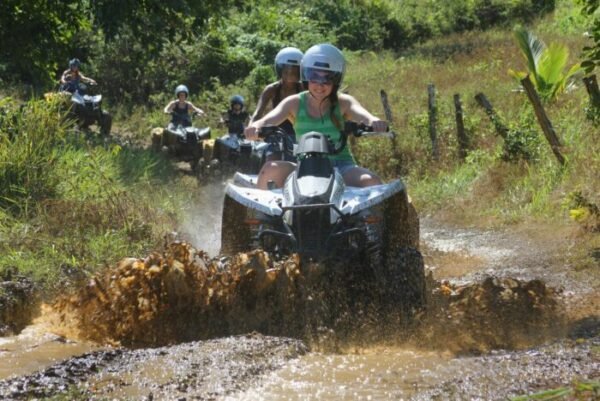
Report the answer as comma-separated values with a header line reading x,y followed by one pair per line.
x,y
286,110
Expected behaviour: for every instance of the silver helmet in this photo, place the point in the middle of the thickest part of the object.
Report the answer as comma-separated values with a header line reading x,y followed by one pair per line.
x,y
287,56
323,57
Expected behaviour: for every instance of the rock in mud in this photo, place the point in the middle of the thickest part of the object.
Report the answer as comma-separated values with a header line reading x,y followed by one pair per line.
x,y
18,304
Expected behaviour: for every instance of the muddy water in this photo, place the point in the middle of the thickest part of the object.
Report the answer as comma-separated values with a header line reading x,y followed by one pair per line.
x,y
406,374
455,353
36,347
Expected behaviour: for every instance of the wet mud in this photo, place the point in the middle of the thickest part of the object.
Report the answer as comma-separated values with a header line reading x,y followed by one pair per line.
x,y
183,295
196,370
480,336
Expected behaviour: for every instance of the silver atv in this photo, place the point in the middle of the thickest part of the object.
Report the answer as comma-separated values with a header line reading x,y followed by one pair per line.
x,y
317,216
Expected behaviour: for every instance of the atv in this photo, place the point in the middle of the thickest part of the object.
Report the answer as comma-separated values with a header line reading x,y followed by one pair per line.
x,y
320,218
234,152
182,141
87,110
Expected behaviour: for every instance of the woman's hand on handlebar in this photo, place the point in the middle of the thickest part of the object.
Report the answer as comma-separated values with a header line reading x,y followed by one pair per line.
x,y
251,133
379,126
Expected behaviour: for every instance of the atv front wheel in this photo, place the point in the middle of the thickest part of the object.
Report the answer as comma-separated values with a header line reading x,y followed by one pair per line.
x,y
401,279
235,234
401,228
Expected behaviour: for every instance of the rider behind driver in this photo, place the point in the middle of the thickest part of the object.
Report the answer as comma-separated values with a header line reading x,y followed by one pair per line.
x,y
180,109
321,108
69,80
287,67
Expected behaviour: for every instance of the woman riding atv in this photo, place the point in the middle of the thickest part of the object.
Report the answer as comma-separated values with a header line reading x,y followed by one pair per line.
x,y
235,119
321,108
181,109
70,79
287,67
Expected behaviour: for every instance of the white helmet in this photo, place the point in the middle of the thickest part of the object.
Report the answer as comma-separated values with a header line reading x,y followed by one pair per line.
x,y
182,88
287,56
323,57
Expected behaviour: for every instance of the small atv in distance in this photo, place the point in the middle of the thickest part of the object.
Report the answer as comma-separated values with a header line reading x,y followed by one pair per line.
x,y
184,143
232,152
87,110
317,216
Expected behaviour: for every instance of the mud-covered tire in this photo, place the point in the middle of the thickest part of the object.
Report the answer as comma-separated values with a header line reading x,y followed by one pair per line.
x,y
402,279
401,227
235,235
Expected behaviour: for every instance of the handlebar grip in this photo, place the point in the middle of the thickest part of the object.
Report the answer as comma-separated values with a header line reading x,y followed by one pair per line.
x,y
268,130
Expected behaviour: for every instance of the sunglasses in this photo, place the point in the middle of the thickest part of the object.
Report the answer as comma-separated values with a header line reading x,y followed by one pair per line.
x,y
321,77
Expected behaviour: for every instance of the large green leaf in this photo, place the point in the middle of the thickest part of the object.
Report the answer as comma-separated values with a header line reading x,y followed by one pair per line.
x,y
553,62
531,47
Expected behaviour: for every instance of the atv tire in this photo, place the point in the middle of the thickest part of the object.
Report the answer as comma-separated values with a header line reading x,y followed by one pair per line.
x,y
235,234
401,229
401,280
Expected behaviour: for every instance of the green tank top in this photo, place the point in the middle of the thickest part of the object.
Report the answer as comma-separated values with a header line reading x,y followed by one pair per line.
x,y
305,124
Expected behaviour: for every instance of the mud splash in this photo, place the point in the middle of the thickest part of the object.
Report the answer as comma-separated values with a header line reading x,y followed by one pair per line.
x,y
183,295
498,313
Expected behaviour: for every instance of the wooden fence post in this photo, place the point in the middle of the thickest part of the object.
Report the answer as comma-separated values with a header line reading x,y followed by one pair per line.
x,y
543,119
432,122
390,119
386,106
501,129
463,140
591,85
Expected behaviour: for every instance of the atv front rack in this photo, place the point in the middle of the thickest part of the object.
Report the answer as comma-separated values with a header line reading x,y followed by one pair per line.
x,y
315,236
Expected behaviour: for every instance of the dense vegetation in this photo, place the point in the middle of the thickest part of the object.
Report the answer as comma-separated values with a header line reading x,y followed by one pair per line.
x,y
141,48
72,202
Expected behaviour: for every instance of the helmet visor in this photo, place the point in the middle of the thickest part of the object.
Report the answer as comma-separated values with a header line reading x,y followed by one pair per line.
x,y
318,76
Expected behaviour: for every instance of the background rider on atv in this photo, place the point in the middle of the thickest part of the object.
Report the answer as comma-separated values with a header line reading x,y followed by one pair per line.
x,y
236,118
181,109
70,79
287,67
321,108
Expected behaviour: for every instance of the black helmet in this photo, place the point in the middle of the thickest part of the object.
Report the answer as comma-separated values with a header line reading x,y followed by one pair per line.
x,y
237,99
74,63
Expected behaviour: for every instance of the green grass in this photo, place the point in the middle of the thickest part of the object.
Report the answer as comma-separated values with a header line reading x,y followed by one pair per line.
x,y
578,391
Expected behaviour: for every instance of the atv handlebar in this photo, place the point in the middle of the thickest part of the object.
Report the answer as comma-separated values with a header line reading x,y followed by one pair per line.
x,y
363,130
358,130
274,134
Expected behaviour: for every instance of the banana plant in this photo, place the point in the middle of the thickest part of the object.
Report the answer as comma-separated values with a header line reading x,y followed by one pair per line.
x,y
545,64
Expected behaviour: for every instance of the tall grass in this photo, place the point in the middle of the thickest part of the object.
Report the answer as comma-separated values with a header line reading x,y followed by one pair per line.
x,y
71,203
526,183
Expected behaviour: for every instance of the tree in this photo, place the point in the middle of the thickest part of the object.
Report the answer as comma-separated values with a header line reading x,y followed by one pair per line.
x,y
35,36
545,64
